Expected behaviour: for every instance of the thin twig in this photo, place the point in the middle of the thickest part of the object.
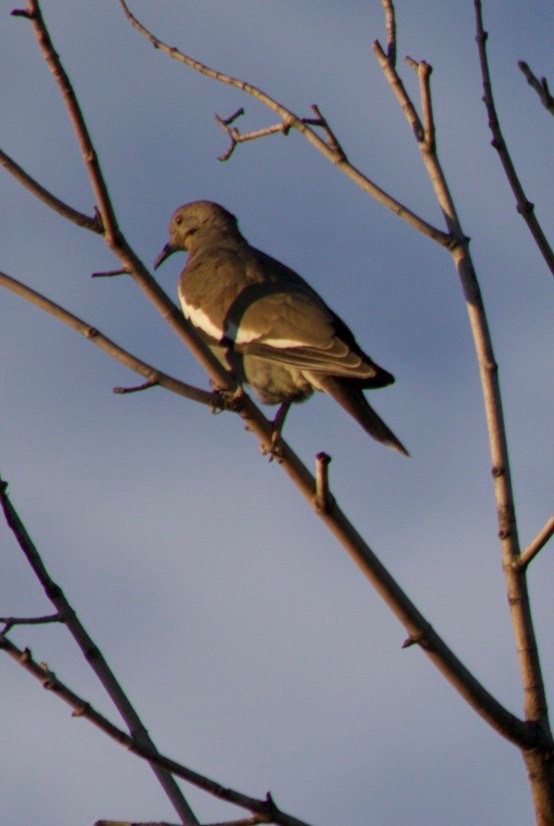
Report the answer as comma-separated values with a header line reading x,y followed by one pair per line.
x,y
365,183
92,654
540,86
237,137
44,195
536,545
332,140
523,205
92,334
11,622
138,745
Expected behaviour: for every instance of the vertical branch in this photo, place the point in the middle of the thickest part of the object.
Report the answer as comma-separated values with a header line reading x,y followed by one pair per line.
x,y
536,710
390,29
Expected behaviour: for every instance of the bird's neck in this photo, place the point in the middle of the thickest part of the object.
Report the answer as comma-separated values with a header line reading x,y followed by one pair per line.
x,y
214,240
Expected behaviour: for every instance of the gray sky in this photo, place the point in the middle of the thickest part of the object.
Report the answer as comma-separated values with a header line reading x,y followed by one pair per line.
x,y
248,640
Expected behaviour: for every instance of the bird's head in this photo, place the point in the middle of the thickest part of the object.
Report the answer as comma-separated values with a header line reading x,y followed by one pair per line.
x,y
192,221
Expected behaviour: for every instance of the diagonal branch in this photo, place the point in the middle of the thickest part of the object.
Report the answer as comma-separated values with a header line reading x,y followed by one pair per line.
x,y
92,334
140,747
525,208
92,654
540,86
302,125
47,197
536,545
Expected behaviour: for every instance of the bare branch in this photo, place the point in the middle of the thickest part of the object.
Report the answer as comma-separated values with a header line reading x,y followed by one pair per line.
x,y
92,164
110,273
332,140
390,28
93,224
536,545
302,126
424,71
518,597
152,374
236,136
243,821
540,86
140,746
11,622
323,496
92,654
525,208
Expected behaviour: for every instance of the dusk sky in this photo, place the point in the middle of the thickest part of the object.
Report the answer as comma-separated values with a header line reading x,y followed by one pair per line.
x,y
252,646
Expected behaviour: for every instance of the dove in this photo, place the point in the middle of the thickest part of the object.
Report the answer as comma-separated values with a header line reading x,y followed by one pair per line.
x,y
266,324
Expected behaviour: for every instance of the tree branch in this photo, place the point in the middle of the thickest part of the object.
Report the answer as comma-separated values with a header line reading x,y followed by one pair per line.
x,y
93,656
92,334
540,86
525,208
140,746
536,545
534,695
93,224
292,121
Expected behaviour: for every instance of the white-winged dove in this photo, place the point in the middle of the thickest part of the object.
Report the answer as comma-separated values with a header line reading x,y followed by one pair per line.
x,y
265,323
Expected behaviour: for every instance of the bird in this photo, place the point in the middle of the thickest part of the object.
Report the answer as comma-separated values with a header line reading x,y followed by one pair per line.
x,y
266,324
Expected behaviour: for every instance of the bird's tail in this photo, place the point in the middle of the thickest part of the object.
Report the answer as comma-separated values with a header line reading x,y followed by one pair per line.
x,y
351,397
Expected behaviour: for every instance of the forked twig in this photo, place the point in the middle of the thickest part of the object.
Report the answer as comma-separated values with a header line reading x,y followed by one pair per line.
x,y
328,150
540,86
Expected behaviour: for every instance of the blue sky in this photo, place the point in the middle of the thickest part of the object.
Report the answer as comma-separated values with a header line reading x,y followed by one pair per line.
x,y
251,645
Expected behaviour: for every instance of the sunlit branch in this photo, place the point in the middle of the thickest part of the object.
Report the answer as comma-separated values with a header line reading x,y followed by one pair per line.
x,y
329,151
536,545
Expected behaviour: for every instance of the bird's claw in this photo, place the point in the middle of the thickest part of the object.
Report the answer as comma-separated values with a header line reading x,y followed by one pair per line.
x,y
223,399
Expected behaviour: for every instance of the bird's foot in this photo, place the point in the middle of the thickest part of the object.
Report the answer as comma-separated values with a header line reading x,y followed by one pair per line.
x,y
275,448
223,399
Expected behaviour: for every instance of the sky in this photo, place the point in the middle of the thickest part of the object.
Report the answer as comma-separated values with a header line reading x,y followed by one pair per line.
x,y
252,647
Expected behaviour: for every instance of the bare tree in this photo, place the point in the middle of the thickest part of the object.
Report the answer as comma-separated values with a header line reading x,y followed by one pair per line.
x,y
530,733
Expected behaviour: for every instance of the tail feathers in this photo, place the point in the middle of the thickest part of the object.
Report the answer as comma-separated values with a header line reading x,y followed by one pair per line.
x,y
349,396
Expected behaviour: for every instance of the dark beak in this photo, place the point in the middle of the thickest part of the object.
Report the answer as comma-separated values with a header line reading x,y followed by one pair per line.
x,y
164,255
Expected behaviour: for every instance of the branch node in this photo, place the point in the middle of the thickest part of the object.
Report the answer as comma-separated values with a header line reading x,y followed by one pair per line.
x,y
323,499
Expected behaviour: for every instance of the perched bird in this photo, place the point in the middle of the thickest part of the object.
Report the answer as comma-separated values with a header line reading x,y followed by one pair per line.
x,y
265,323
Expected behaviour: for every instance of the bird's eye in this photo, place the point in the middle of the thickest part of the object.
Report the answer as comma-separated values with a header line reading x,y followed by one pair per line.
x,y
178,220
